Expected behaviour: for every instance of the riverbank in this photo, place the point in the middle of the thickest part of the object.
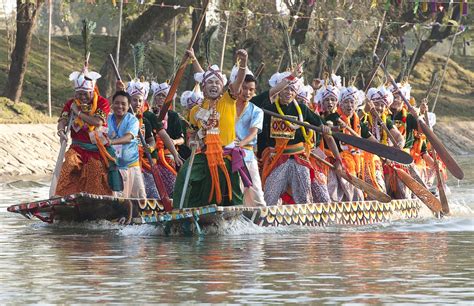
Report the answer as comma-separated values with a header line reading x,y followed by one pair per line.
x,y
27,149
32,149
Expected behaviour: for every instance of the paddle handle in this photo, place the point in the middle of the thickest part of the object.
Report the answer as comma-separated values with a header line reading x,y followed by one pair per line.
x,y
347,127
60,160
188,175
442,193
182,67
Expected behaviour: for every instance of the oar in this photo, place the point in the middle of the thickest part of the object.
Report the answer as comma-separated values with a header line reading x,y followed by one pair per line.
x,y
60,160
358,183
179,74
361,143
442,193
188,175
421,192
449,161
160,186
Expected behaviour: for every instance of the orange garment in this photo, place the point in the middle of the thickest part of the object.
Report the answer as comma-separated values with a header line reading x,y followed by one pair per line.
x,y
76,176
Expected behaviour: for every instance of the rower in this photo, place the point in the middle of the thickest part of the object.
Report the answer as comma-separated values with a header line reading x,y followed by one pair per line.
x,y
211,177
287,168
123,135
415,141
189,99
150,128
248,126
350,98
381,98
86,167
171,122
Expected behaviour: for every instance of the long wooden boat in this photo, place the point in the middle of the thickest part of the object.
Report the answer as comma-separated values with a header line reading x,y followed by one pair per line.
x,y
87,207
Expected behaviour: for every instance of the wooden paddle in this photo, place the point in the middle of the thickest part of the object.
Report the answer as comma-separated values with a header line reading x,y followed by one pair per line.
x,y
182,66
60,160
358,183
448,160
442,193
188,175
421,192
160,186
361,143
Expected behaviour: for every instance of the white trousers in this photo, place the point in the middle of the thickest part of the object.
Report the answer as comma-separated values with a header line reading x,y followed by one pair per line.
x,y
253,196
133,184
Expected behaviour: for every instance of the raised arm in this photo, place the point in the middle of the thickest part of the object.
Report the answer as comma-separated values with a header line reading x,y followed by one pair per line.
x,y
236,86
196,66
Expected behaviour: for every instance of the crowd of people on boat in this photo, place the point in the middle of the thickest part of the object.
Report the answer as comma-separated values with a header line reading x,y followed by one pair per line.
x,y
223,149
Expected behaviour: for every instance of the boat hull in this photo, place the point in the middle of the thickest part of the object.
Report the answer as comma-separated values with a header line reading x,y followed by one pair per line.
x,y
86,207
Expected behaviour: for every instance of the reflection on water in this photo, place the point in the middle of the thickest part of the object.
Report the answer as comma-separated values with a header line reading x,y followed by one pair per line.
x,y
425,260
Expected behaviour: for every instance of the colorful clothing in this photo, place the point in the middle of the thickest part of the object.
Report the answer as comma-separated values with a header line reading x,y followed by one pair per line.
x,y
290,146
372,167
212,179
86,167
127,155
339,188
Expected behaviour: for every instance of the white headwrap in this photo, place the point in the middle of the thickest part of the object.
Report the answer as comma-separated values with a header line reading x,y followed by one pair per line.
x,y
382,94
212,72
162,88
326,92
190,98
305,93
135,87
278,77
84,81
405,90
352,92
235,70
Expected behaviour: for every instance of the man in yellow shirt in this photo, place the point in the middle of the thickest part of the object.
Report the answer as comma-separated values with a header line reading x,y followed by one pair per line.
x,y
215,172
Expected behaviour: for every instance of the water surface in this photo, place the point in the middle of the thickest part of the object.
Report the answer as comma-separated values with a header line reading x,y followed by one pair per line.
x,y
419,261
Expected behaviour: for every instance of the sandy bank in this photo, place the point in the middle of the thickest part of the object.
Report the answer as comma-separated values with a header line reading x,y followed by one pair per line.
x,y
32,149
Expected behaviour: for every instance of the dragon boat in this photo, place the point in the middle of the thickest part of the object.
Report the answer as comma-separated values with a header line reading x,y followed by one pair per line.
x,y
87,207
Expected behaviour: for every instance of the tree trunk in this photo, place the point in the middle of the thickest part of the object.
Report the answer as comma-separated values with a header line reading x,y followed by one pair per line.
x,y
436,34
140,29
25,20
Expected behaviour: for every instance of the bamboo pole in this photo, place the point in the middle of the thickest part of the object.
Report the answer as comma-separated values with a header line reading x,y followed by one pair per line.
x,y
117,56
50,26
226,13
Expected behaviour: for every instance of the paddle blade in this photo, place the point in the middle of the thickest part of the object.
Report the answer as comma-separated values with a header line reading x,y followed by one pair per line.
x,y
366,187
421,192
376,148
443,154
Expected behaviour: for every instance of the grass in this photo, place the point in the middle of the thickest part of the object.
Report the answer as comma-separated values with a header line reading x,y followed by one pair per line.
x,y
67,56
21,113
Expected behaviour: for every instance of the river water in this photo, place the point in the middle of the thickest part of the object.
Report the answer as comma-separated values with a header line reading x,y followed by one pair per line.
x,y
422,261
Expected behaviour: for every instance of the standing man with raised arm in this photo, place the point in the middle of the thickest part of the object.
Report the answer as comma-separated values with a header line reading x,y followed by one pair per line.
x,y
212,179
